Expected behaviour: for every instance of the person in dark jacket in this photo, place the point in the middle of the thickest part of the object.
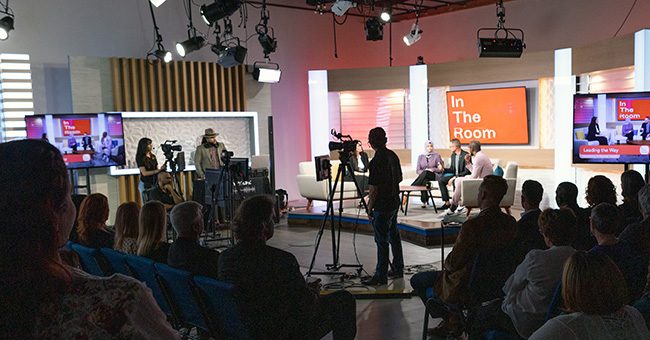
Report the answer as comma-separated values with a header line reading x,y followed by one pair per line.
x,y
566,196
528,235
455,170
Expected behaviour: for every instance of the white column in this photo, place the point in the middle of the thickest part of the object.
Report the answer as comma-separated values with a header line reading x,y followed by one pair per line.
x,y
641,69
419,115
564,89
318,113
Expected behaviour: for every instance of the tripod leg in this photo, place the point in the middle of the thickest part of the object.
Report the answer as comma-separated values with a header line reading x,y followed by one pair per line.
x,y
328,211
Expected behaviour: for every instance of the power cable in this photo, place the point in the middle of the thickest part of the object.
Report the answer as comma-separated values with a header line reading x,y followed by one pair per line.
x,y
624,20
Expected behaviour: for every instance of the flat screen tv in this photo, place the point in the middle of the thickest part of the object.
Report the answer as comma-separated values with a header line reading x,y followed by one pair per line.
x,y
89,140
611,128
492,116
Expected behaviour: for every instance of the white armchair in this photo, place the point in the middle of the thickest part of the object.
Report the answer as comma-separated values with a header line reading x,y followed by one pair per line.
x,y
312,190
469,192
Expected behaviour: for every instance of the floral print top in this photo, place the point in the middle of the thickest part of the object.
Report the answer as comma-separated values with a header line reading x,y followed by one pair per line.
x,y
116,307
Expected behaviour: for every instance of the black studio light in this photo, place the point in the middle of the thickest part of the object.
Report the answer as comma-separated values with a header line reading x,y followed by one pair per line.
x,y
218,10
374,29
229,56
269,44
163,55
190,45
6,25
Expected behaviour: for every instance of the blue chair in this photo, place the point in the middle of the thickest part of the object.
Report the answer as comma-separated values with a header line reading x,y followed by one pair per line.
x,y
116,260
144,270
180,288
218,302
553,307
89,259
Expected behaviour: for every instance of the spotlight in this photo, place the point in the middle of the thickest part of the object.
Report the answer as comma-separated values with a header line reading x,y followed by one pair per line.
x,y
163,55
6,25
374,29
229,56
218,10
269,44
157,3
341,6
189,45
266,74
385,15
414,35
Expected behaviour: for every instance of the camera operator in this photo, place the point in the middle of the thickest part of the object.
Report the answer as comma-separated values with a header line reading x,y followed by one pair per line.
x,y
208,154
147,164
164,191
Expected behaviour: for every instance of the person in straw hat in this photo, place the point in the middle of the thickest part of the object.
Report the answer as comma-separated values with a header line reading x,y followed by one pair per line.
x,y
208,154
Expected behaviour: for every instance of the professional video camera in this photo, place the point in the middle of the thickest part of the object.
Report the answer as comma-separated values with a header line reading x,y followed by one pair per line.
x,y
346,146
168,148
225,156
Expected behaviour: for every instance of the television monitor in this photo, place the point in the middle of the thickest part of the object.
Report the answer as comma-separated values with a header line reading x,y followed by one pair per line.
x,y
239,168
80,138
612,128
491,116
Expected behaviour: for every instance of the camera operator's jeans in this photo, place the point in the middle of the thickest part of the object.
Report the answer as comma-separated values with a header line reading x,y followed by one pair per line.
x,y
384,225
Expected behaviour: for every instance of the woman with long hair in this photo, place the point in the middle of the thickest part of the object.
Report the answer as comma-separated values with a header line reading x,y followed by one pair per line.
x,y
593,132
600,189
151,234
91,223
147,164
42,297
126,228
594,295
631,183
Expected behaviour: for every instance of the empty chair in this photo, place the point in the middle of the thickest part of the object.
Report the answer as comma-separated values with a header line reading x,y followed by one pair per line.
x,y
217,298
116,260
179,287
89,259
143,269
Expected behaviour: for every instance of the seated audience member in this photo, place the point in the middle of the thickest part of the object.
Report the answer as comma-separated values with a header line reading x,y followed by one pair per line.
x,y
594,295
186,253
491,229
271,290
42,298
151,233
456,170
126,228
600,189
631,183
91,223
637,235
528,232
164,191
480,167
428,168
605,221
530,289
566,196
76,199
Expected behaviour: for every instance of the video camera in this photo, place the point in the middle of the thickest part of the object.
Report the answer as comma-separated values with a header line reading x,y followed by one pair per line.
x,y
168,148
346,146
225,156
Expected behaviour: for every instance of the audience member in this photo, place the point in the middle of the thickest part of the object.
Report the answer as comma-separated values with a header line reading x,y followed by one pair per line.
x,y
566,196
91,223
600,189
429,168
164,191
186,253
594,294
151,234
605,221
528,232
126,228
455,170
491,229
272,291
42,298
530,289
480,167
631,183
637,235
76,199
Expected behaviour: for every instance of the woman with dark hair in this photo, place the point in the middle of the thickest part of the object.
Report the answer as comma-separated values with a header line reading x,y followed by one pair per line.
x,y
594,294
151,232
600,189
42,297
631,183
148,164
126,228
594,130
359,162
91,223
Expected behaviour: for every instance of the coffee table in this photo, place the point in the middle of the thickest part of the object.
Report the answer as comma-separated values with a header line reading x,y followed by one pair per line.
x,y
407,189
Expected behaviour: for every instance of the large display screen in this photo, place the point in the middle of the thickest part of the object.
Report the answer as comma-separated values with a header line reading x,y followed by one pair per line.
x,y
494,116
611,128
85,140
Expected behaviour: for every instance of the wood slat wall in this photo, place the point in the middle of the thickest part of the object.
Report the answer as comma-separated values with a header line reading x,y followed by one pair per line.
x,y
140,85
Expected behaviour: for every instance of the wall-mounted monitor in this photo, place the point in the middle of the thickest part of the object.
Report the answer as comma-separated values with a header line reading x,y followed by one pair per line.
x,y
89,140
611,128
491,116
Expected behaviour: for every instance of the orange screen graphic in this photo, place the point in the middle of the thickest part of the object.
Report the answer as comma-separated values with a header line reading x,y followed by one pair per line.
x,y
496,116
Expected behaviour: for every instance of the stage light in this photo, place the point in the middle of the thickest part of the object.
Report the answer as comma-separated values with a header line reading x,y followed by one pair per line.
x,y
229,56
218,10
6,25
374,29
268,43
189,45
414,35
267,72
341,6
157,3
163,55
385,15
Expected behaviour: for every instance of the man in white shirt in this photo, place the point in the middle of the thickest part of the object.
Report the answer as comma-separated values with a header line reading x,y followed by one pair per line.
x,y
479,167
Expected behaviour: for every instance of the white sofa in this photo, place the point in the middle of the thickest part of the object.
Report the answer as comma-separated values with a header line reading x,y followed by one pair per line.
x,y
469,192
318,191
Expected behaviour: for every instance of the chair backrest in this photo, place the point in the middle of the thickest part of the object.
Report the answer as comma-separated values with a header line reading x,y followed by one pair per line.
x,y
116,260
512,168
179,287
554,307
490,271
508,199
143,269
88,258
146,194
219,300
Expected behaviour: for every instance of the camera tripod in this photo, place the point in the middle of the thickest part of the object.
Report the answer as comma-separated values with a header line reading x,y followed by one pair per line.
x,y
334,267
224,186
